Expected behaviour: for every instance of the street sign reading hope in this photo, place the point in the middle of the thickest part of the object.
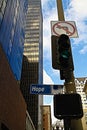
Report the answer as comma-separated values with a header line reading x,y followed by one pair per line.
x,y
64,27
46,89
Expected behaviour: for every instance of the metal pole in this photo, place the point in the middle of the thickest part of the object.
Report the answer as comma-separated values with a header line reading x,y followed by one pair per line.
x,y
70,84
60,10
67,124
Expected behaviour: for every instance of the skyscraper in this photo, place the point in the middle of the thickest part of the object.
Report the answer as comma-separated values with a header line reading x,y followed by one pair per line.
x,y
12,103
32,67
12,17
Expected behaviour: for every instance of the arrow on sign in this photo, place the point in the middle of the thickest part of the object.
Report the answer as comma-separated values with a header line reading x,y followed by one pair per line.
x,y
64,27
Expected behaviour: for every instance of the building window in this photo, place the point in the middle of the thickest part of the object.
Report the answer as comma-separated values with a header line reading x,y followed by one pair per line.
x,y
2,9
86,116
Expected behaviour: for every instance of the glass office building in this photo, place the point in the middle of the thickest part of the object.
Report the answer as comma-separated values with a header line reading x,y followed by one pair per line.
x,y
12,103
12,16
32,69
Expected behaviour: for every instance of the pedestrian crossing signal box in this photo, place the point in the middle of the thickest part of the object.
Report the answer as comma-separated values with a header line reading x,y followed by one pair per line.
x,y
68,106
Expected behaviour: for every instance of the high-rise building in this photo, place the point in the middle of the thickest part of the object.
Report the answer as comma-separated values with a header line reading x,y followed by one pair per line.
x,y
32,67
80,83
12,17
12,103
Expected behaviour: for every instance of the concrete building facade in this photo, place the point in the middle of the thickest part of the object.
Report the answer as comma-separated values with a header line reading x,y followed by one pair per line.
x,y
80,83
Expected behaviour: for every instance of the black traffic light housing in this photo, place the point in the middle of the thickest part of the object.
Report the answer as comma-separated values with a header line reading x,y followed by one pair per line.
x,y
65,53
61,53
68,106
55,55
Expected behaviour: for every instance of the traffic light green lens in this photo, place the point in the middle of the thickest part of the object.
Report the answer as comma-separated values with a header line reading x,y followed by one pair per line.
x,y
65,54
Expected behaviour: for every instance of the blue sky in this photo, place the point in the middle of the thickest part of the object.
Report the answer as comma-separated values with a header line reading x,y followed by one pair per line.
x,y
74,10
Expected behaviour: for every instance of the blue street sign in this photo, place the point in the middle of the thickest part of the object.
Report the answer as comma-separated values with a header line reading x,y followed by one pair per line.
x,y
45,89
40,89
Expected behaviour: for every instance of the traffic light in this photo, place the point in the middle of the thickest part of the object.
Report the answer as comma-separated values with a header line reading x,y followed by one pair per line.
x,y
55,55
61,53
65,53
68,106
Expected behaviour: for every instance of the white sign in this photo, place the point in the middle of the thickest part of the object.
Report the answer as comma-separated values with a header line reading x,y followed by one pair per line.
x,y
64,27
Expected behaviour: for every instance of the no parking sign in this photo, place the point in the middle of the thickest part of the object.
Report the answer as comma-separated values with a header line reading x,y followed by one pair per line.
x,y
64,27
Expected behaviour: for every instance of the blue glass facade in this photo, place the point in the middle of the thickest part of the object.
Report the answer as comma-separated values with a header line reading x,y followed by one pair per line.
x,y
12,19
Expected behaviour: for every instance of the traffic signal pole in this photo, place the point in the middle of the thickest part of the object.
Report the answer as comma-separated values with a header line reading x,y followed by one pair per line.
x,y
69,83
60,11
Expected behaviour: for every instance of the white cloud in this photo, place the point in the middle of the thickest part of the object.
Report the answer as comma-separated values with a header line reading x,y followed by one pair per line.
x,y
47,54
84,50
48,99
46,78
48,15
77,10
80,8
47,28
44,2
